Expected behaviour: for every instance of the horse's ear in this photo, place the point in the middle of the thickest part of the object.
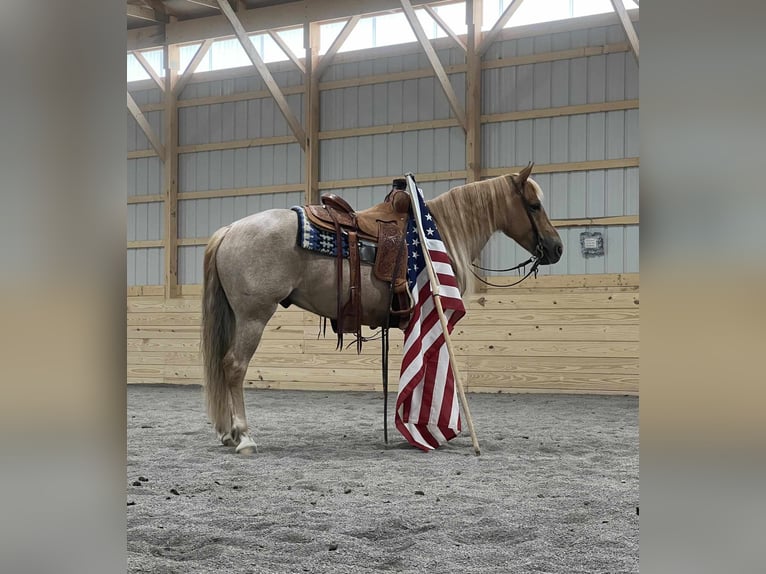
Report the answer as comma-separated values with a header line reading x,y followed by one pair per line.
x,y
524,174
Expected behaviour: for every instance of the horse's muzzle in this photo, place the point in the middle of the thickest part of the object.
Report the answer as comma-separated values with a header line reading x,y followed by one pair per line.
x,y
553,249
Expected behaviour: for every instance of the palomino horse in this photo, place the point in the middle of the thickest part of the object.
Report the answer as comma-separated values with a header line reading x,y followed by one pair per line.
x,y
254,264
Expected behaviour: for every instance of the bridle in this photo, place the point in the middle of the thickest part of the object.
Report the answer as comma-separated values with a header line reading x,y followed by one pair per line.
x,y
534,260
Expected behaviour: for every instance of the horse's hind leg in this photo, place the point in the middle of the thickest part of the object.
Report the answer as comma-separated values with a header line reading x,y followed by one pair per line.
x,y
247,336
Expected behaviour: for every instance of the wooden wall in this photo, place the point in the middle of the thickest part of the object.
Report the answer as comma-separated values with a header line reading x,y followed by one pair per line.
x,y
561,334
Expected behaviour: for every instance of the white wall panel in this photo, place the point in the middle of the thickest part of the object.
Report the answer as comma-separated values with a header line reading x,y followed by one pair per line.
x,y
145,266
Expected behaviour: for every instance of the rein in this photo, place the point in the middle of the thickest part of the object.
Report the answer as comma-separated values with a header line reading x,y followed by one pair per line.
x,y
534,260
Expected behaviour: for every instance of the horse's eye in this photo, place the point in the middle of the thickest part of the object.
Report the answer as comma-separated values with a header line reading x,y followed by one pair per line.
x,y
535,206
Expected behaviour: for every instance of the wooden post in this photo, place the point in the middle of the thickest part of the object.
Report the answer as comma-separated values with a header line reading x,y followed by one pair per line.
x,y
170,172
311,103
473,104
435,285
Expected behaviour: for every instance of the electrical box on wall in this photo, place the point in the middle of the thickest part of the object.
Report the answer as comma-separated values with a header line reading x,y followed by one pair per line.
x,y
592,244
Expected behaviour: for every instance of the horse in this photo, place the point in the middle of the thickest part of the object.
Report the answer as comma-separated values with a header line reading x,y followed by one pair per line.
x,y
254,265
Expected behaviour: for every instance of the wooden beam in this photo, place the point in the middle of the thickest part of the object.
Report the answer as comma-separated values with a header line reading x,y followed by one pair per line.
x,y
311,102
206,3
561,111
240,191
491,36
597,221
189,71
146,244
473,91
562,167
286,49
436,64
627,25
149,69
143,123
444,26
142,13
139,153
388,129
237,144
336,45
170,173
264,72
145,199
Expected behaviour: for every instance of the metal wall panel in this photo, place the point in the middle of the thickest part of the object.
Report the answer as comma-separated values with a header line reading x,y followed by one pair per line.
x,y
587,80
246,167
145,266
581,137
145,221
424,151
137,140
251,83
202,217
144,176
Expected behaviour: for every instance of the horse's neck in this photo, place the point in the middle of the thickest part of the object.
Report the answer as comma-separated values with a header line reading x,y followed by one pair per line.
x,y
465,223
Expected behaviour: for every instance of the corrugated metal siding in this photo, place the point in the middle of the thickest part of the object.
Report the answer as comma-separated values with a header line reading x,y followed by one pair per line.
x,y
136,138
144,176
202,217
244,167
416,60
145,221
227,87
145,266
424,151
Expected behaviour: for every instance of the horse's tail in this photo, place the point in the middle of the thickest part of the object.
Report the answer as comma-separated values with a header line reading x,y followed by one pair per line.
x,y
217,331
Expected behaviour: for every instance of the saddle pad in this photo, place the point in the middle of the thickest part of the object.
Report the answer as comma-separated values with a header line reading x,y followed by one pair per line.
x,y
324,242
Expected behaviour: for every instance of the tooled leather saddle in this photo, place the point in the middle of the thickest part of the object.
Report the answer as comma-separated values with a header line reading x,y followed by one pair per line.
x,y
375,236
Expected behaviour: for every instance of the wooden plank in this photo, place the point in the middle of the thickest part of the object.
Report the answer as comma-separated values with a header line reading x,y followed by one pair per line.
x,y
627,25
237,144
553,317
142,13
561,111
589,383
143,123
145,199
240,191
582,280
548,348
562,167
386,78
436,64
312,112
139,153
336,45
174,319
264,72
189,71
170,173
388,129
149,69
386,180
556,366
444,26
601,221
146,243
548,391
491,36
543,300
160,305
237,97
473,96
287,51
582,52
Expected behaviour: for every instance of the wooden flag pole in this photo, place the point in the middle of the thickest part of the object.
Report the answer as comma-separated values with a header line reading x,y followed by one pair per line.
x,y
411,186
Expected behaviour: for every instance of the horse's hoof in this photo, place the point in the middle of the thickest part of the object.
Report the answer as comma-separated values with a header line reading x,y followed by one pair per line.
x,y
228,440
246,446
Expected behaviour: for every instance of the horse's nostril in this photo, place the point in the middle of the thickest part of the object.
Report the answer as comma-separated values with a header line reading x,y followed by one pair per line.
x,y
559,249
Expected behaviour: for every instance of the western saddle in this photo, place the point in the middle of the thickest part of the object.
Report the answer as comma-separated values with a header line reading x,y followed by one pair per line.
x,y
375,236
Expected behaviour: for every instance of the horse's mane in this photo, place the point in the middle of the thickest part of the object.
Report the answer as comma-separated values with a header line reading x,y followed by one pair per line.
x,y
467,216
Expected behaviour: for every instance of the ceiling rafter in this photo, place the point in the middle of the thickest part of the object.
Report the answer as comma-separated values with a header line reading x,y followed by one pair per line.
x,y
263,70
627,25
444,26
436,64
491,36
336,45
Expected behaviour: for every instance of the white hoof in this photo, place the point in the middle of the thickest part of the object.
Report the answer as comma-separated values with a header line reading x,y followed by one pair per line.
x,y
246,445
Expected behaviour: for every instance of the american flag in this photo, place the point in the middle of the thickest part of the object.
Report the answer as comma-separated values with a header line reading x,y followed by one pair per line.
x,y
427,407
